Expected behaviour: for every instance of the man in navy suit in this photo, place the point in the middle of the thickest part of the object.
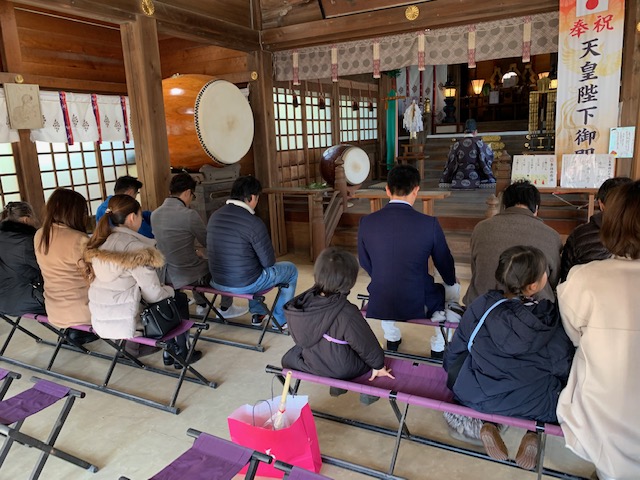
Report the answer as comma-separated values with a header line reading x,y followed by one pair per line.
x,y
394,246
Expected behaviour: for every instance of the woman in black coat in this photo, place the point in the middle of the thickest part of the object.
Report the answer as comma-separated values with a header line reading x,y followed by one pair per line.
x,y
332,337
21,282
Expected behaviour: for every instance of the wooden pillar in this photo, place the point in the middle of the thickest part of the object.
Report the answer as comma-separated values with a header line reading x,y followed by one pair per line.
x,y
11,52
261,99
264,146
24,151
28,172
630,94
317,226
144,85
340,182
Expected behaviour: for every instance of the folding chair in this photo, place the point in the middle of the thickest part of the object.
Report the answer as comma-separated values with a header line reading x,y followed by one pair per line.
x,y
219,317
17,326
442,325
15,410
420,385
121,356
211,458
296,473
6,377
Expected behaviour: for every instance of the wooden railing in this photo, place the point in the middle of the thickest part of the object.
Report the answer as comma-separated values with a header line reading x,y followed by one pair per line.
x,y
322,221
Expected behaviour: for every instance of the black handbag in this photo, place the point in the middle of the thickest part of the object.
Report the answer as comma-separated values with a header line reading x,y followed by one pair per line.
x,y
160,318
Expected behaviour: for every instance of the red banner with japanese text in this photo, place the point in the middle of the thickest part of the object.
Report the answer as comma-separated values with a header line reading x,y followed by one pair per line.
x,y
589,66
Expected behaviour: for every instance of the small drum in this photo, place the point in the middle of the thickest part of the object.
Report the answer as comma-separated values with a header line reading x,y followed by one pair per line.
x,y
208,121
355,161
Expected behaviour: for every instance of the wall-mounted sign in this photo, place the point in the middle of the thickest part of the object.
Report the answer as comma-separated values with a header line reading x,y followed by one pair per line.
x,y
23,105
621,142
586,171
540,170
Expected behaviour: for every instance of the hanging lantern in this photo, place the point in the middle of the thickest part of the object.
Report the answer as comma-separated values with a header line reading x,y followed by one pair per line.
x,y
321,101
295,101
354,104
369,95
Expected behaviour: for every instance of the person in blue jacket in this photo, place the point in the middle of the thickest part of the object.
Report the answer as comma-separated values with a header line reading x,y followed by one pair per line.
x,y
510,355
241,256
131,186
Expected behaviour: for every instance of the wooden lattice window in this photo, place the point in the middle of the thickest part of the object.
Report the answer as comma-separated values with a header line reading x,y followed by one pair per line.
x,y
361,124
288,120
118,159
348,120
318,121
368,119
9,187
88,168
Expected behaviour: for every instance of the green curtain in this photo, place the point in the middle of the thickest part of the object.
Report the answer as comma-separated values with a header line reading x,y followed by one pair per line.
x,y
392,119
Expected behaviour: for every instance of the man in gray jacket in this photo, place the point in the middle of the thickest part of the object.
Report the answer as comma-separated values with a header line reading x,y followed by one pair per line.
x,y
517,224
176,228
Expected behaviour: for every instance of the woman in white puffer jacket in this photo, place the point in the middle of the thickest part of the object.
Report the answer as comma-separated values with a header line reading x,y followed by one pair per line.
x,y
124,268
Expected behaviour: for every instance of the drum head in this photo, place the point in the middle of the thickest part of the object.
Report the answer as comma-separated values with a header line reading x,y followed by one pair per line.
x,y
356,165
224,121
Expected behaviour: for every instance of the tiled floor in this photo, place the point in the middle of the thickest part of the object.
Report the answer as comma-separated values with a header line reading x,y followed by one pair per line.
x,y
125,438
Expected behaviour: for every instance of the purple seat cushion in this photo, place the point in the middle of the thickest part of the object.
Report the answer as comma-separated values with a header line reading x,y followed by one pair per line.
x,y
298,473
210,458
248,296
421,385
42,395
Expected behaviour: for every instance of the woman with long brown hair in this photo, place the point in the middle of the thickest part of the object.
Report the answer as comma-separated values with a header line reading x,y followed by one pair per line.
x,y
123,271
600,306
20,277
59,246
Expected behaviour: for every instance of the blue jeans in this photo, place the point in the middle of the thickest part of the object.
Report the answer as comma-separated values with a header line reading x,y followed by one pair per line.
x,y
281,272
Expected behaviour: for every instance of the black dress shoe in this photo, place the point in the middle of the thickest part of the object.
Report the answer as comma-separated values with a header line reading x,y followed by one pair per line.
x,y
437,355
366,399
80,337
393,346
336,392
168,359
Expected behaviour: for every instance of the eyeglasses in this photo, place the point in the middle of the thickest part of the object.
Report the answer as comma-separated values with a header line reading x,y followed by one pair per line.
x,y
193,195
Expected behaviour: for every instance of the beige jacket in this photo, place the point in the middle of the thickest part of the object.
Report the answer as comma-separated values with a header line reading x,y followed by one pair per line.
x,y
598,409
125,271
66,288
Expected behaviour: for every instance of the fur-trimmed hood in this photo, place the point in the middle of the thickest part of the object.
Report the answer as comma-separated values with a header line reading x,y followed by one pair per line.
x,y
123,250
146,257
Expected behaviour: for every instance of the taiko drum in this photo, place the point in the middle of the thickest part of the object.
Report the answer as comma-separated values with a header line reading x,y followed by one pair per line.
x,y
208,121
355,161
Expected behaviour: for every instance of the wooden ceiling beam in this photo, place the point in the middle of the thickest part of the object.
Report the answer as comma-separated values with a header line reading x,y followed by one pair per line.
x,y
170,19
114,12
68,84
433,15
